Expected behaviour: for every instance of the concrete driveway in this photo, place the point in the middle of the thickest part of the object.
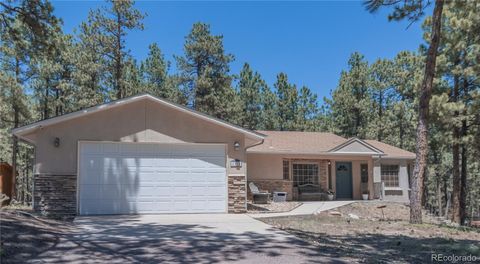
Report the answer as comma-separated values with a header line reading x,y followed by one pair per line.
x,y
189,238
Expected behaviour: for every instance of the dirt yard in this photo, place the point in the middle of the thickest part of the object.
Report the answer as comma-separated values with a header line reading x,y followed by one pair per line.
x,y
378,238
23,236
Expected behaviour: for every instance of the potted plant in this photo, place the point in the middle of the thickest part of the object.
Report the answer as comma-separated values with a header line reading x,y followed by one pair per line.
x,y
330,195
365,195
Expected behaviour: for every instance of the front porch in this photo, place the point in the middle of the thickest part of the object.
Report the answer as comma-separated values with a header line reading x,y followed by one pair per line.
x,y
310,179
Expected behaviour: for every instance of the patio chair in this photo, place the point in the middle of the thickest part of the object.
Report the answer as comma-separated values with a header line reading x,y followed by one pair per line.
x,y
259,197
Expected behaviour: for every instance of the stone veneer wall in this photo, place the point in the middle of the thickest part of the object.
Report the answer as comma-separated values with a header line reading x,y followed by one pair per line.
x,y
273,186
237,194
55,195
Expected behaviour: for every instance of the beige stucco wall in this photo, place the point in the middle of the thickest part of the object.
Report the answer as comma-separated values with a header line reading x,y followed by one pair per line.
x,y
142,121
403,181
264,167
269,167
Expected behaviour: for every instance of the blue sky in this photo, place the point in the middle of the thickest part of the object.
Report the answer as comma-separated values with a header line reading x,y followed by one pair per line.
x,y
310,41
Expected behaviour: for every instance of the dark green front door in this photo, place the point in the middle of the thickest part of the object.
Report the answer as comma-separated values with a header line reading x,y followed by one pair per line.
x,y
344,180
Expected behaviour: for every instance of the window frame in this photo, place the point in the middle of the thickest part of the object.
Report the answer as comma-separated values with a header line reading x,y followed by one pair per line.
x,y
315,178
286,170
390,177
363,178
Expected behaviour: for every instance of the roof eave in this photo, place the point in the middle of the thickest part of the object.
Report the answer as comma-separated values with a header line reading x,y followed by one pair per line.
x,y
398,157
316,153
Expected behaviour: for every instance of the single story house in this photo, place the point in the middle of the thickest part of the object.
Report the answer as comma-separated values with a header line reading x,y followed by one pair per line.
x,y
143,154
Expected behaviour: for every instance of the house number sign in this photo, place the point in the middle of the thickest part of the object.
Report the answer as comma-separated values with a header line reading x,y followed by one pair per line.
x,y
236,163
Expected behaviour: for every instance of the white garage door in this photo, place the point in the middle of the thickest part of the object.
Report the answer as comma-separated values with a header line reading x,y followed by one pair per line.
x,y
140,178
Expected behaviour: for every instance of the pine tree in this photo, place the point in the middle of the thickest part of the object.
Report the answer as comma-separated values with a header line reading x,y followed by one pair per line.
x,y
154,71
382,97
204,73
52,71
350,104
89,60
406,77
307,111
269,109
114,24
250,87
287,103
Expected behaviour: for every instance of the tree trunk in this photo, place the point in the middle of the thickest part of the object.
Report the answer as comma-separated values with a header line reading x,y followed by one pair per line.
x,y
439,197
456,159
422,126
463,183
119,59
463,171
401,130
46,113
16,123
380,115
14,151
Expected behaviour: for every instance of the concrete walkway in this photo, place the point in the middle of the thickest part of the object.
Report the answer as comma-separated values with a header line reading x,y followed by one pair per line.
x,y
306,208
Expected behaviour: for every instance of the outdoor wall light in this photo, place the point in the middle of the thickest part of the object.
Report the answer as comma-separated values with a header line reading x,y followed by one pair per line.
x,y
236,145
56,142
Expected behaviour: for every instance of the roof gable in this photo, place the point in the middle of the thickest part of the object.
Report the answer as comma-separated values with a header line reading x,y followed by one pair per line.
x,y
20,131
356,146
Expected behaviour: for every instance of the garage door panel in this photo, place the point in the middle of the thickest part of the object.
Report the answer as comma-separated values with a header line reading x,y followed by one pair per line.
x,y
144,191
110,148
112,191
181,191
198,190
177,162
91,191
217,205
164,191
214,177
181,205
199,205
216,190
94,177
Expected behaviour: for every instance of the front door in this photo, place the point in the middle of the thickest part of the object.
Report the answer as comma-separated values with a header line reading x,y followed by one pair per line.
x,y
344,180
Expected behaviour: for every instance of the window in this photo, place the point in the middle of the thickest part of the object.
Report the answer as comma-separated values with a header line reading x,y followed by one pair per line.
x,y
305,173
364,172
390,175
286,170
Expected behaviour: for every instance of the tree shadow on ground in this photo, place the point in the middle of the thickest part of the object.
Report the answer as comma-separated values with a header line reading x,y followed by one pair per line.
x,y
128,240
380,248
